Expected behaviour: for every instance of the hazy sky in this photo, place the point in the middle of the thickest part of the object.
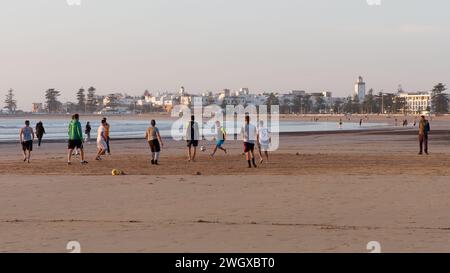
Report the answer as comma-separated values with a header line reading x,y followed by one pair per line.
x,y
266,45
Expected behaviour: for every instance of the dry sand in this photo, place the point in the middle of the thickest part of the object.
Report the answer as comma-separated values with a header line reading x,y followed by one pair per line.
x,y
324,192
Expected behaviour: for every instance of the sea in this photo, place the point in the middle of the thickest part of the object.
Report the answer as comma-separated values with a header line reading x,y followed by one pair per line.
x,y
56,128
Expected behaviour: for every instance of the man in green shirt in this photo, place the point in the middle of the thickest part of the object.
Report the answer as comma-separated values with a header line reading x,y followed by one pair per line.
x,y
75,139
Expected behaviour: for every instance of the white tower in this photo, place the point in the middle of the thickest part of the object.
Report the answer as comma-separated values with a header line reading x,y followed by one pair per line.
x,y
360,89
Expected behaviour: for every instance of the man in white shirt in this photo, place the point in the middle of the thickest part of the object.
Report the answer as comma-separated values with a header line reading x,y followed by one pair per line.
x,y
248,133
263,141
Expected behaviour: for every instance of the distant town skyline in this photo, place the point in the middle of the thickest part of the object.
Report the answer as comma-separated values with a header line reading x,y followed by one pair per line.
x,y
321,45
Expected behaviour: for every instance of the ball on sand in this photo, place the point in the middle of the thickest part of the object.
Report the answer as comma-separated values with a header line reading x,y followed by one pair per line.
x,y
116,172
202,148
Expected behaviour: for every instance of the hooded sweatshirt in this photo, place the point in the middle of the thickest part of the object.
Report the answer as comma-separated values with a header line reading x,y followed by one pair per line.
x,y
75,131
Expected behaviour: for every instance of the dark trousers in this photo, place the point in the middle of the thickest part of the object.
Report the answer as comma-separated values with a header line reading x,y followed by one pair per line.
x,y
423,141
107,145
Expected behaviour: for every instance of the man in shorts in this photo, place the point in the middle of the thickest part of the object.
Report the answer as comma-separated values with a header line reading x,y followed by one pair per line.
x,y
248,133
154,141
101,141
26,135
192,136
75,139
263,137
220,138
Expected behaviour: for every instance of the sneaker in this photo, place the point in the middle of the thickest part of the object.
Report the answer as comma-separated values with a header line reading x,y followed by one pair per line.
x,y
153,162
84,162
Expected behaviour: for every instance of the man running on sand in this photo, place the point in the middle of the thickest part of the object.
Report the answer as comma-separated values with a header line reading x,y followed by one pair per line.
x,y
75,139
101,141
40,131
192,135
264,140
220,138
26,135
154,141
248,133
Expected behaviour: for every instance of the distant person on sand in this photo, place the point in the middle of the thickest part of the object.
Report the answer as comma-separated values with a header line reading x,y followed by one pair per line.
x,y
107,128
154,140
248,133
340,123
220,138
360,122
26,135
192,135
40,131
87,131
263,137
101,140
75,139
424,129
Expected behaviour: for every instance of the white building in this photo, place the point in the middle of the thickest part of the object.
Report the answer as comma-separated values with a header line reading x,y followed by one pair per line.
x,y
360,89
418,102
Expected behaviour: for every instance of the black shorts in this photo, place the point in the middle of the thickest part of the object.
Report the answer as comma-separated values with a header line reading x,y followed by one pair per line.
x,y
27,145
249,147
192,143
154,146
75,144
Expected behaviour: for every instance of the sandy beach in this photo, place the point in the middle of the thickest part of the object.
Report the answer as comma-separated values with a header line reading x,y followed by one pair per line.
x,y
321,192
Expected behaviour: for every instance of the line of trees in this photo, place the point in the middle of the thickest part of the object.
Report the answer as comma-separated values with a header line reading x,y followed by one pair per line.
x,y
372,104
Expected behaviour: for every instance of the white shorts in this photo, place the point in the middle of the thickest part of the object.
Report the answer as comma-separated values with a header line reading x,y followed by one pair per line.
x,y
101,144
264,147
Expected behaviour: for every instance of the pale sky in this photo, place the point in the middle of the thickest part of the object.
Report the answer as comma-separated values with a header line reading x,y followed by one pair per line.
x,y
266,45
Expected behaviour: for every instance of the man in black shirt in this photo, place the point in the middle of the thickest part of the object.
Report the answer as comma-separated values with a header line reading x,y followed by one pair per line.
x,y
192,137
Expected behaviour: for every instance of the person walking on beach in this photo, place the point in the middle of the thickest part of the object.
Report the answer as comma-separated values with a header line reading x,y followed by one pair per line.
x,y
340,123
424,129
220,138
40,131
75,139
101,140
192,136
154,141
87,131
263,137
107,128
26,135
248,133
